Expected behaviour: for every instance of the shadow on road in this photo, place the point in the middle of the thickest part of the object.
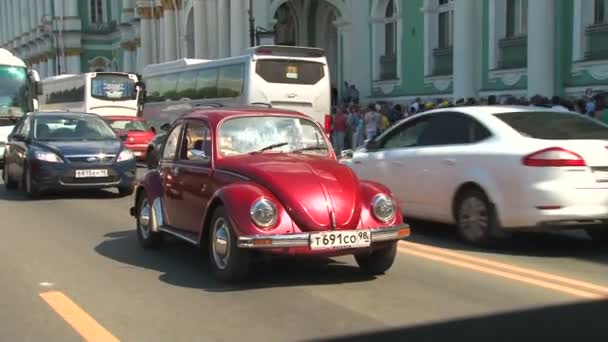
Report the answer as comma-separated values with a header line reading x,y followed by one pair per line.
x,y
563,244
572,322
51,196
185,265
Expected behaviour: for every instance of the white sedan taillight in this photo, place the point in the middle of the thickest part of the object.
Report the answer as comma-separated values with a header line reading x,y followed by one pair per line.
x,y
553,157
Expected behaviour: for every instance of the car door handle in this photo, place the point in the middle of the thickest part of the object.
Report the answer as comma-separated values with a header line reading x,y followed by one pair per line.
x,y
449,161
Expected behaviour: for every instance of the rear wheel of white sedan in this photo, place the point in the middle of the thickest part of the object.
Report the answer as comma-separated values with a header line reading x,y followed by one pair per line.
x,y
378,261
145,236
598,234
476,218
228,262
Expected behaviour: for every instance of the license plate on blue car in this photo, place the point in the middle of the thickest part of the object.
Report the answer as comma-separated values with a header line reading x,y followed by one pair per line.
x,y
91,173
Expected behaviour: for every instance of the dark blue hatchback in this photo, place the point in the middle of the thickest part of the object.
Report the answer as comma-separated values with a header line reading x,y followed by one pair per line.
x,y
50,151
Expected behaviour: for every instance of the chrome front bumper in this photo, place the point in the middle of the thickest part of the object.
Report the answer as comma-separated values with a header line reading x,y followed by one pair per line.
x,y
303,239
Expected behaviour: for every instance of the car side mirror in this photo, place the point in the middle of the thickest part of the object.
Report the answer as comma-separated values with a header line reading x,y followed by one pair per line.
x,y
346,154
165,127
372,145
198,155
18,137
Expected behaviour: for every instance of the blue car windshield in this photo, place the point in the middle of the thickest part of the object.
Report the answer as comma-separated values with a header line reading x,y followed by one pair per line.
x,y
72,128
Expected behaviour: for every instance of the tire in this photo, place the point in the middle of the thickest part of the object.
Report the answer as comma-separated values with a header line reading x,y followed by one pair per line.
x,y
476,219
9,182
146,238
126,191
29,187
378,261
228,262
598,234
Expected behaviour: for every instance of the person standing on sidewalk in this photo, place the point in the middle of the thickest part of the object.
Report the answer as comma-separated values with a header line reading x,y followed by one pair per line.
x,y
339,133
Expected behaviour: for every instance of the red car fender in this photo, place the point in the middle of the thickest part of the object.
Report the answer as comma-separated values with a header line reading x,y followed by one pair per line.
x,y
151,183
237,199
369,189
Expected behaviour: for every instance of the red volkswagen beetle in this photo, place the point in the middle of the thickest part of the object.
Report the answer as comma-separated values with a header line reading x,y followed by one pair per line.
x,y
241,181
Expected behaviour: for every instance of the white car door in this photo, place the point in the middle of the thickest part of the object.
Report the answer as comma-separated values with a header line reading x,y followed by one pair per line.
x,y
391,160
445,154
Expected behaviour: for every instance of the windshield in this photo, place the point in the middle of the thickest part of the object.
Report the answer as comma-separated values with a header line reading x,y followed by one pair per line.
x,y
250,134
72,128
555,125
128,125
113,87
13,91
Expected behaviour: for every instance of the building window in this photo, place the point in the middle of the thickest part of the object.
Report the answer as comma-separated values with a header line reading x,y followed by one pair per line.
x,y
96,8
386,36
517,18
600,10
390,34
446,24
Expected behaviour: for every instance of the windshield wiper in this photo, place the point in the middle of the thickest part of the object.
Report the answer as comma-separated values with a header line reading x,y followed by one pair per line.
x,y
310,148
269,147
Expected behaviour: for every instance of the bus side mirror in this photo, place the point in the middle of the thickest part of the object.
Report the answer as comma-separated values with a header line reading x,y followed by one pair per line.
x,y
38,88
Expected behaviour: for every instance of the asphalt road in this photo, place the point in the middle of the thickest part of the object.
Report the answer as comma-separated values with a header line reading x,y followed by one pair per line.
x,y
71,269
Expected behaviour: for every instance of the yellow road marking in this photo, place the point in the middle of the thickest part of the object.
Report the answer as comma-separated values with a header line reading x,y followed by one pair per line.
x,y
76,317
520,274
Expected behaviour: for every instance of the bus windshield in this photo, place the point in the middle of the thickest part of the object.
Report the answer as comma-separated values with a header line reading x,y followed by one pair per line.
x,y
13,91
113,87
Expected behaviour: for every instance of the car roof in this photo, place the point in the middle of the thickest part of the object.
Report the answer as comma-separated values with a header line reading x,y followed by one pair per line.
x,y
123,117
62,113
216,115
481,111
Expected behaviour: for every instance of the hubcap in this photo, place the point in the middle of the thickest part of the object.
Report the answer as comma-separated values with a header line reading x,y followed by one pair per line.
x,y
221,243
473,218
144,219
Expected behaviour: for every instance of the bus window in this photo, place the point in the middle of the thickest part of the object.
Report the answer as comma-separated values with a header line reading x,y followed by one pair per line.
x,y
113,87
186,85
153,88
289,72
169,87
206,84
230,83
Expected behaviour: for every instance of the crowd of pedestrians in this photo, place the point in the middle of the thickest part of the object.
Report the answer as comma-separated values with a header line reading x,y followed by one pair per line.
x,y
353,123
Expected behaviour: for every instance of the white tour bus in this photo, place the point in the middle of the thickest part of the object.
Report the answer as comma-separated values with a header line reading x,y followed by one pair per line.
x,y
287,77
102,93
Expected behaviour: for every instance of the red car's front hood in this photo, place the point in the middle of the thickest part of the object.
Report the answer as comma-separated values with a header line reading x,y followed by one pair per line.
x,y
309,187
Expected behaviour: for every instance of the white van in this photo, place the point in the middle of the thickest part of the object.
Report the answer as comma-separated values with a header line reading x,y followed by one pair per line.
x,y
288,77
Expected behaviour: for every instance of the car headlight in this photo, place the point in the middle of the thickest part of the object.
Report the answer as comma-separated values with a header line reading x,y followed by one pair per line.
x,y
383,208
125,155
48,157
263,213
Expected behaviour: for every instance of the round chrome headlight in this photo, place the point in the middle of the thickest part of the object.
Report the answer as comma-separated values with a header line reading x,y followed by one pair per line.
x,y
383,208
263,213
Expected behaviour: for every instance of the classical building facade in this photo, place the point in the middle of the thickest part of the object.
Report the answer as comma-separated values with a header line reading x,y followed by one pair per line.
x,y
392,50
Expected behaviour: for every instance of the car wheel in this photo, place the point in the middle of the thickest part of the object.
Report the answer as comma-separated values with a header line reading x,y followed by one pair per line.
x,y
598,234
126,191
477,220
378,261
28,185
145,236
9,182
228,262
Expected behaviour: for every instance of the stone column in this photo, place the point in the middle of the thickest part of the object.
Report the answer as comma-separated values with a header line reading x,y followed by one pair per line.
x,y
127,11
360,62
541,48
238,19
34,15
212,32
72,61
147,45
43,65
169,32
466,48
16,22
25,20
5,16
223,29
200,30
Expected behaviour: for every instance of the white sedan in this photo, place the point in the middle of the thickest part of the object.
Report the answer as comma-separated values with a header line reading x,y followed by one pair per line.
x,y
492,170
